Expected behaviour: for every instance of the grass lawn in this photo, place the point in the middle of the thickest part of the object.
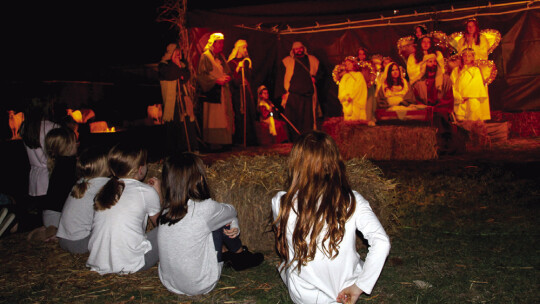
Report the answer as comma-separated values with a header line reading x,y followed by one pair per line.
x,y
468,234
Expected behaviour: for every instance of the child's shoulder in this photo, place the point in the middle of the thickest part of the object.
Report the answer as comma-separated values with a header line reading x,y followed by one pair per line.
x,y
359,198
133,184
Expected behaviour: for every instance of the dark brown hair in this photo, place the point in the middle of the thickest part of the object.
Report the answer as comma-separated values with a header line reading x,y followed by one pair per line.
x,y
390,80
419,54
183,178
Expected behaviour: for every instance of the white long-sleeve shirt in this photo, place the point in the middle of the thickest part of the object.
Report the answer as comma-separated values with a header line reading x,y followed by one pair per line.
x,y
187,256
321,280
118,241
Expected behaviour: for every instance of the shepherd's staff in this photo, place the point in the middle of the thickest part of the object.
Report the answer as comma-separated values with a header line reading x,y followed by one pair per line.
x,y
284,117
182,111
243,95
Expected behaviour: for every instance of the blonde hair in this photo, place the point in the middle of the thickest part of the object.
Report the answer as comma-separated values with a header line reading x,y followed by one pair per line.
x,y
318,192
91,163
59,142
124,161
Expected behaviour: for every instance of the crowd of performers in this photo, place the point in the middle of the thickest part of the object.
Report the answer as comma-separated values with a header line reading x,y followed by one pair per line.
x,y
448,74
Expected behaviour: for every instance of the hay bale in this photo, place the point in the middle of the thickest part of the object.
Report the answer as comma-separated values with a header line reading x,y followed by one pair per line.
x,y
524,124
356,140
250,182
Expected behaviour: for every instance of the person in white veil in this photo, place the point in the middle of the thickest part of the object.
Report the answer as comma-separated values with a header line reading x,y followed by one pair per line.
x,y
213,78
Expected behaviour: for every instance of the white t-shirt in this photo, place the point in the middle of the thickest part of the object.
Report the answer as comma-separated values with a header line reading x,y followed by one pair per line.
x,y
78,213
321,280
187,255
118,241
38,178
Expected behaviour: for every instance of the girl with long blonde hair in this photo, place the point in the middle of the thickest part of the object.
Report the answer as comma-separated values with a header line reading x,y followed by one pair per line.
x,y
315,223
78,212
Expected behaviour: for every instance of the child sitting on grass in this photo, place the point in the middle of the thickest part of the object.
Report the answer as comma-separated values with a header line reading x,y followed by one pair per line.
x,y
315,225
76,221
61,149
193,229
118,242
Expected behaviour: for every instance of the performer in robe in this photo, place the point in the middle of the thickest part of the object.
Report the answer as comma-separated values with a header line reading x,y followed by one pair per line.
x,y
299,99
434,89
470,92
353,91
473,39
416,63
369,70
393,93
178,115
239,62
274,129
213,78
362,54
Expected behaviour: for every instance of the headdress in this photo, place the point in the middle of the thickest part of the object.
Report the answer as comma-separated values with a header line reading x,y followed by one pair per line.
x,y
467,50
298,44
260,89
354,60
439,73
213,38
237,46
168,53
384,76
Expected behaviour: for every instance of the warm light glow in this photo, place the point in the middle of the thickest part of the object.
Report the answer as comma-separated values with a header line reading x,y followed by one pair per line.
x,y
101,127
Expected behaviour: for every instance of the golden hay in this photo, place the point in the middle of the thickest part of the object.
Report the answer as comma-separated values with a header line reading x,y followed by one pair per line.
x,y
250,182
383,142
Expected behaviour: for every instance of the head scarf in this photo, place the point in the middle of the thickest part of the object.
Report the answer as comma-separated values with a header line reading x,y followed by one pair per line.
x,y
260,89
438,74
213,38
237,46
168,53
382,84
298,44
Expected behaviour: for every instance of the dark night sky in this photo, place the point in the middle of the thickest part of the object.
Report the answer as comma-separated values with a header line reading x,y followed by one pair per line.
x,y
68,39
59,38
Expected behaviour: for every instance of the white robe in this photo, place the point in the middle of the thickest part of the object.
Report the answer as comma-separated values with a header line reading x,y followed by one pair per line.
x,y
469,83
353,96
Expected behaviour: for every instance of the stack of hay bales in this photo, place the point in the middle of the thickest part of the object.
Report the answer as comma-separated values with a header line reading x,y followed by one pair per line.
x,y
382,142
250,182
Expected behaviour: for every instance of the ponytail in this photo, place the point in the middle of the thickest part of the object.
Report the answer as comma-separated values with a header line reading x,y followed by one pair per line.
x,y
92,163
79,189
124,159
109,195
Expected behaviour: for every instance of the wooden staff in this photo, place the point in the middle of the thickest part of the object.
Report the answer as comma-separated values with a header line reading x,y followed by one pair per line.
x,y
243,95
182,113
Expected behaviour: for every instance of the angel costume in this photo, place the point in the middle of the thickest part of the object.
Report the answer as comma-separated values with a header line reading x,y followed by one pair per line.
x,y
353,95
471,101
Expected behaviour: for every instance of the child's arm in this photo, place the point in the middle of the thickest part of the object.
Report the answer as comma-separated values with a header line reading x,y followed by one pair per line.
x,y
221,215
379,244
